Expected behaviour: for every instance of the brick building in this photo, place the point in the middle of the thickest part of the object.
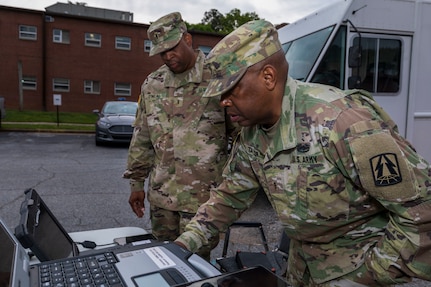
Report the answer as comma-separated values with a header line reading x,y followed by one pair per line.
x,y
87,58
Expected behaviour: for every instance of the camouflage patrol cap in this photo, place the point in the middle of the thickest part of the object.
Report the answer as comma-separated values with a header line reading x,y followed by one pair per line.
x,y
247,45
166,32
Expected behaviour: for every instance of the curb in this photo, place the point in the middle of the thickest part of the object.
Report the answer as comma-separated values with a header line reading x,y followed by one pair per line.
x,y
36,130
45,131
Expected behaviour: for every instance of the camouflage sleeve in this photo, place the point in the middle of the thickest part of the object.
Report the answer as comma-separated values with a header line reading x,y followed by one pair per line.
x,y
227,202
141,153
388,169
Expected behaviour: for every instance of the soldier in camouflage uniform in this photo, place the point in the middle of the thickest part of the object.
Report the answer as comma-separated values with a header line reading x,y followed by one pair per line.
x,y
351,193
179,137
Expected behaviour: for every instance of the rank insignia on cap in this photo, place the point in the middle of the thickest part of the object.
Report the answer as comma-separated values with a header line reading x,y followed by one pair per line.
x,y
385,169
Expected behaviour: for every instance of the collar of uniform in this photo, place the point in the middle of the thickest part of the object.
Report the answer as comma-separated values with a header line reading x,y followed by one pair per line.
x,y
285,137
194,75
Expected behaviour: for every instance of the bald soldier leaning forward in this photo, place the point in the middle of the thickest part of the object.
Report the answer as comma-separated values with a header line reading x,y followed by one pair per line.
x,y
179,138
351,193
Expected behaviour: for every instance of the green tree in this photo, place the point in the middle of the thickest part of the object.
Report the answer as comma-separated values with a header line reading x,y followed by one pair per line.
x,y
214,19
234,19
216,22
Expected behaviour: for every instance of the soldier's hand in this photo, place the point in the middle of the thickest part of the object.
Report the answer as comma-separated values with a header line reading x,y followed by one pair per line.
x,y
136,201
180,244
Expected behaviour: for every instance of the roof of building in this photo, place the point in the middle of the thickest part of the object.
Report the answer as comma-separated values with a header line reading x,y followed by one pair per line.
x,y
81,9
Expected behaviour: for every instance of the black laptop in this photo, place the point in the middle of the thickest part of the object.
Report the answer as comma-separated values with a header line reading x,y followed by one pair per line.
x,y
161,264
41,232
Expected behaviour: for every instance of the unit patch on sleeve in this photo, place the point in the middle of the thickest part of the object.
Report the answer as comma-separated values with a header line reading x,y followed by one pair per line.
x,y
385,169
382,170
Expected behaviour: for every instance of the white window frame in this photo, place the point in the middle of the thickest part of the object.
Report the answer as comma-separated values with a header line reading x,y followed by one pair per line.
x,y
123,43
147,45
60,36
29,83
93,39
123,89
61,84
91,87
27,32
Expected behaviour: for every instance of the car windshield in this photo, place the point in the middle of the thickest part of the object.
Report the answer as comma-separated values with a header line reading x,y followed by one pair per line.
x,y
302,53
122,108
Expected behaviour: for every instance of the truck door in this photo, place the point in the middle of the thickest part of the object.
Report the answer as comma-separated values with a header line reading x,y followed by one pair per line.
x,y
384,71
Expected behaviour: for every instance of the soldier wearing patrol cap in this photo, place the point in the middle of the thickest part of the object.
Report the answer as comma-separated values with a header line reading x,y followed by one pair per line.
x,y
353,195
180,139
166,33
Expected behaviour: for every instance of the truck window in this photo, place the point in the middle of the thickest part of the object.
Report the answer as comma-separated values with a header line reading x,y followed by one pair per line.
x,y
380,67
302,53
331,68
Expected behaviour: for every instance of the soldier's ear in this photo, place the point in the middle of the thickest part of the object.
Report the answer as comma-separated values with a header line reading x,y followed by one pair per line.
x,y
188,38
269,76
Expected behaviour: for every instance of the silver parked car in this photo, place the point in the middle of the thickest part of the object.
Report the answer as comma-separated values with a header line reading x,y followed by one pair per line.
x,y
115,122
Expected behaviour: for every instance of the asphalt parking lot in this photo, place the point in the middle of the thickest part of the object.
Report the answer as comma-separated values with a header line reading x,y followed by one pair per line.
x,y
82,185
80,182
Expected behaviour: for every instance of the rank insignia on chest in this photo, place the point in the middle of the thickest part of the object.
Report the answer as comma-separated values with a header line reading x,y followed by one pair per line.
x,y
303,147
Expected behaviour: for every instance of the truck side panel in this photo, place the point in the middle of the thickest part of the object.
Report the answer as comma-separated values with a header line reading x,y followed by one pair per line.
x,y
382,22
419,124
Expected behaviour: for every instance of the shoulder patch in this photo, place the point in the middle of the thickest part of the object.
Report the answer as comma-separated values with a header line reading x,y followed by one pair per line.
x,y
382,170
385,169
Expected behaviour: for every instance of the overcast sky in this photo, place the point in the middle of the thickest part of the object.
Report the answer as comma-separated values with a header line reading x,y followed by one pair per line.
x,y
146,11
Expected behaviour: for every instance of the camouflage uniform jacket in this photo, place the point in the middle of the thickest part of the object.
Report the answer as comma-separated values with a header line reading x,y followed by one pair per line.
x,y
179,138
347,188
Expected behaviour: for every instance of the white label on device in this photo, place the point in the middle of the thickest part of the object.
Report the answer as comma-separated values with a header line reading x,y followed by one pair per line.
x,y
159,257
135,243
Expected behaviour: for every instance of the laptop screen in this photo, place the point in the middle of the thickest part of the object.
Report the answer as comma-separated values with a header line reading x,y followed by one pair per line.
x,y
40,231
7,251
49,238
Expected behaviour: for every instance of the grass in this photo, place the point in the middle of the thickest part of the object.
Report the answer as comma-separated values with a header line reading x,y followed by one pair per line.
x,y
48,121
49,117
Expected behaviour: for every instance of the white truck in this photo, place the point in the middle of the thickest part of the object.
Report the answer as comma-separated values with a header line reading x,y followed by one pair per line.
x,y
383,46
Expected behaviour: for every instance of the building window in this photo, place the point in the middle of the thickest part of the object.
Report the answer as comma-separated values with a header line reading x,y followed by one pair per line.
x,y
147,45
91,87
122,89
93,39
205,49
123,43
61,85
29,83
60,36
27,32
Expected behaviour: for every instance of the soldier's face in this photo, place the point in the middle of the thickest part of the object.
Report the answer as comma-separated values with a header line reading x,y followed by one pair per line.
x,y
248,103
181,57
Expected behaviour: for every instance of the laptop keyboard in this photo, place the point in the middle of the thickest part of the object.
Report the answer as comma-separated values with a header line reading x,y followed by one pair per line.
x,y
92,271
